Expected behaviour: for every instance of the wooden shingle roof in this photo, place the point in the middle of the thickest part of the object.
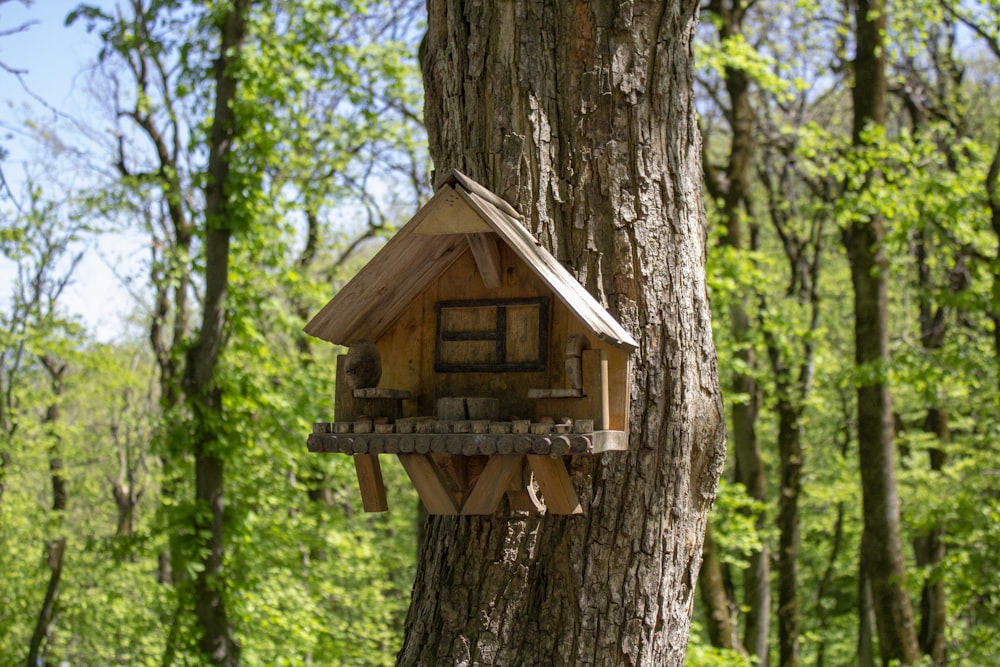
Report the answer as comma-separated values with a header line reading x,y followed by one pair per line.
x,y
427,245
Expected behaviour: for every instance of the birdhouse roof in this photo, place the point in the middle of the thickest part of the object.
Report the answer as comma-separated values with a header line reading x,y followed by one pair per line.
x,y
427,245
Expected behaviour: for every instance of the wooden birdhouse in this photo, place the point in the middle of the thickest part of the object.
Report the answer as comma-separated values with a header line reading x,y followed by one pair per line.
x,y
477,359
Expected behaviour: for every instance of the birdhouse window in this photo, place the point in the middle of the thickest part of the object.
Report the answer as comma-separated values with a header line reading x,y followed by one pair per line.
x,y
492,335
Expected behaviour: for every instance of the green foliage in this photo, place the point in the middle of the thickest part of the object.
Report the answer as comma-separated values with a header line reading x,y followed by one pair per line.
x,y
328,114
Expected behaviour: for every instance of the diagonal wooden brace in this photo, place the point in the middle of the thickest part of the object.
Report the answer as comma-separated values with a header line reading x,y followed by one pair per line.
x,y
430,485
493,483
556,486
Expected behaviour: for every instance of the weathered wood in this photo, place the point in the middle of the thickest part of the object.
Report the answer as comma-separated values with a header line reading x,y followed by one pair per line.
x,y
469,444
370,483
505,445
345,406
555,393
451,407
362,365
560,445
492,484
557,488
427,480
602,388
499,427
487,256
521,496
575,345
449,214
379,392
483,407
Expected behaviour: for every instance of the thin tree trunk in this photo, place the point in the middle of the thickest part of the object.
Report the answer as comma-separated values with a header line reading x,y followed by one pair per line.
x,y
992,177
866,618
204,398
715,598
790,453
929,548
55,548
732,189
882,548
581,115
824,586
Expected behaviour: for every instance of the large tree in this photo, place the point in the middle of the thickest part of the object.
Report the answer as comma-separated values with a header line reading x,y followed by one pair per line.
x,y
581,115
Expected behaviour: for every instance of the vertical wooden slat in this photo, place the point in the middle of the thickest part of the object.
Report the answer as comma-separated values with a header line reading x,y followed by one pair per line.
x,y
487,256
370,482
345,407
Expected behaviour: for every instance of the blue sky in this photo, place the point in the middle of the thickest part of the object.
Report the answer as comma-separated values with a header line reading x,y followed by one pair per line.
x,y
54,59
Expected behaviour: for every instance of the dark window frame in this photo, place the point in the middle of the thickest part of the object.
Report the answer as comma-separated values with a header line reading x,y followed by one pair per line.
x,y
498,334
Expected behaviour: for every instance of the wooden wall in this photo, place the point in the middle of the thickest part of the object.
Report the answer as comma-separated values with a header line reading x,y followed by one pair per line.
x,y
407,349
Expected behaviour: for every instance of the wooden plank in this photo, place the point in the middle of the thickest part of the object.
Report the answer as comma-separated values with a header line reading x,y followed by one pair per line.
x,y
619,383
492,483
487,256
592,314
449,213
555,393
608,441
557,488
430,486
602,387
370,303
344,404
378,392
370,482
455,177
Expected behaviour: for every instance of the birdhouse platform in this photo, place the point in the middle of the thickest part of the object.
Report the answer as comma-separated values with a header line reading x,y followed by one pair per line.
x,y
476,359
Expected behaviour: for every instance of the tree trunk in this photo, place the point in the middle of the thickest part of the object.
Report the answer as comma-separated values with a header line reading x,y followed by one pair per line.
x,y
882,548
929,548
866,612
715,598
790,453
733,191
204,398
55,548
581,115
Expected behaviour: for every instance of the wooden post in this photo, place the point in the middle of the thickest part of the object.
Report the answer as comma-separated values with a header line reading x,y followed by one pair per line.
x,y
370,482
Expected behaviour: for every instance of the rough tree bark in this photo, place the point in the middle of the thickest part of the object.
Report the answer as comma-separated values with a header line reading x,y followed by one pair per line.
x,y
581,115
881,543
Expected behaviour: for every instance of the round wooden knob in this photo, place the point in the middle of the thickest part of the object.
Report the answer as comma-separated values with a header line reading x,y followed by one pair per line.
x,y
363,365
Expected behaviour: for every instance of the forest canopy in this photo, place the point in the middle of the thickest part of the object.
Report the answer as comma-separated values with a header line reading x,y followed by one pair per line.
x,y
284,142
